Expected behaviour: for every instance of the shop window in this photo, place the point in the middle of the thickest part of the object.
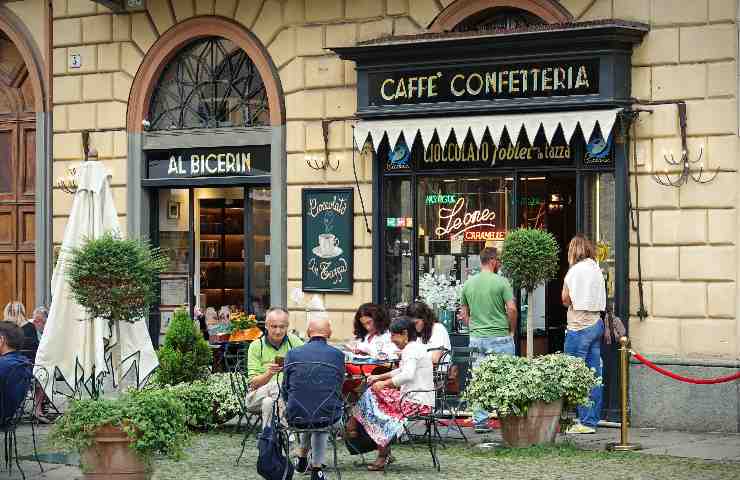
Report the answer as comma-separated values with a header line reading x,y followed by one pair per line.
x,y
209,83
458,216
599,224
398,242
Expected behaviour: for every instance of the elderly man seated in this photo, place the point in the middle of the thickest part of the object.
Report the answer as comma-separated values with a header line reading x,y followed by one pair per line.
x,y
265,361
312,383
15,371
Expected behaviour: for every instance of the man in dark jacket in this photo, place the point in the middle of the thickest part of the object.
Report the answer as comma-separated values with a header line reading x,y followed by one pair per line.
x,y
312,392
15,371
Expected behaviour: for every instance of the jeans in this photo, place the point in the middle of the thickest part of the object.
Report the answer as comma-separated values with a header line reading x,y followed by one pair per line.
x,y
317,442
488,346
586,344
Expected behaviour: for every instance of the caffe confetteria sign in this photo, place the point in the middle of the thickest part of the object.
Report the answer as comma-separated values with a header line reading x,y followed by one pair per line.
x,y
484,82
328,243
209,162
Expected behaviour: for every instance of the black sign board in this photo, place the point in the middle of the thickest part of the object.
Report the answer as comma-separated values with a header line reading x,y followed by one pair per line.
x,y
484,82
209,162
328,239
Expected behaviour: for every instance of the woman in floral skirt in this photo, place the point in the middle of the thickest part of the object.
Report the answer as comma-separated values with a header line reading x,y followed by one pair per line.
x,y
396,395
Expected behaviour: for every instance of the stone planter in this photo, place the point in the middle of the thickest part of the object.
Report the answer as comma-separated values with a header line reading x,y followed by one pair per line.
x,y
111,457
539,426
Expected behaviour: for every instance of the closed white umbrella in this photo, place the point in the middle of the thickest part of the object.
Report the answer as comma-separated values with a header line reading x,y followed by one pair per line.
x,y
71,345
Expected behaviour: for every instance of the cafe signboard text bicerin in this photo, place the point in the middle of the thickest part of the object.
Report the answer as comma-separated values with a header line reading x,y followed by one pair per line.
x,y
209,162
484,82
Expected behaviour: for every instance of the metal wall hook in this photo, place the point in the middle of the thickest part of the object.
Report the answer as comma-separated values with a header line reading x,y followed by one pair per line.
x,y
685,163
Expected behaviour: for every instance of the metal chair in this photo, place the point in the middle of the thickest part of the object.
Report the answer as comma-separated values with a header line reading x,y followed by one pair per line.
x,y
429,420
20,379
235,357
310,379
240,388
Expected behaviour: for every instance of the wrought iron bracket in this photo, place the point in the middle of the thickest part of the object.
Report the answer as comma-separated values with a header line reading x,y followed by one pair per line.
x,y
324,164
684,162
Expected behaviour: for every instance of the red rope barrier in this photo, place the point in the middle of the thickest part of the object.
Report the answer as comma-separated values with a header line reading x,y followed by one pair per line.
x,y
681,378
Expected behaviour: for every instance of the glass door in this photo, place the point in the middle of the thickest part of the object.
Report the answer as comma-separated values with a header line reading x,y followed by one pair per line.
x,y
258,248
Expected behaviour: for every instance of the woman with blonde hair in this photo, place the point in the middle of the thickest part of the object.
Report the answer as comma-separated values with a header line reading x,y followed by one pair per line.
x,y
584,293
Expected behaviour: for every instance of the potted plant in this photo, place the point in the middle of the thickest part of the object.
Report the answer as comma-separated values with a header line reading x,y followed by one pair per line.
x,y
117,280
119,438
243,327
531,396
442,293
530,258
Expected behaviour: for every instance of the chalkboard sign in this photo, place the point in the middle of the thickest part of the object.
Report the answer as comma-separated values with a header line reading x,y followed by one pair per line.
x,y
328,239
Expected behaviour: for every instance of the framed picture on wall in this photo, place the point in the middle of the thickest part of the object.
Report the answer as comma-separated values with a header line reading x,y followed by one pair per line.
x,y
173,210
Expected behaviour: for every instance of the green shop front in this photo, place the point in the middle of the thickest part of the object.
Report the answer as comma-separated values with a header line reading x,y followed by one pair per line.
x,y
474,134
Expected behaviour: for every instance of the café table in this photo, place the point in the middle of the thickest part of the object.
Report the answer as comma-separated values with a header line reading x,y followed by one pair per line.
x,y
221,353
358,368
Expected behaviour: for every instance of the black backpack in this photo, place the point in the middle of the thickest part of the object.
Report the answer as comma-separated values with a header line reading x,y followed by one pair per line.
x,y
272,462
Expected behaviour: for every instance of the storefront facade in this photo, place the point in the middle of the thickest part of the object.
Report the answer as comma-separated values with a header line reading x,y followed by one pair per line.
x,y
303,138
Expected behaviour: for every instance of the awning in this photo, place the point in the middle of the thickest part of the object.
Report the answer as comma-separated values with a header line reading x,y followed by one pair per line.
x,y
373,130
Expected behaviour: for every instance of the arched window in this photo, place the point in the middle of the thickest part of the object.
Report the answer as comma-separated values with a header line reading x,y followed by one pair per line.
x,y
498,18
209,83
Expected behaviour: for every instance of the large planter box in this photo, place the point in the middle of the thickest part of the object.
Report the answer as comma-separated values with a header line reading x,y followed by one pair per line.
x,y
111,457
539,426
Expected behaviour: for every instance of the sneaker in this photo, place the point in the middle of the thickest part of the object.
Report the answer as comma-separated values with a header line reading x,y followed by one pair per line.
x,y
301,466
580,429
318,474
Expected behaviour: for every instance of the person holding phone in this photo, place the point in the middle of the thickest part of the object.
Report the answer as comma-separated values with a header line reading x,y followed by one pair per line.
x,y
265,359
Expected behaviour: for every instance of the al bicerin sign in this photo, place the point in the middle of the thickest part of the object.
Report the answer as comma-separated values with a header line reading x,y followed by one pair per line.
x,y
209,162
484,82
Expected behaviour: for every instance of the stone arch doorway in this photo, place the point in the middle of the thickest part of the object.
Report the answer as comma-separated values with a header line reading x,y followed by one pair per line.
x,y
475,13
238,103
21,101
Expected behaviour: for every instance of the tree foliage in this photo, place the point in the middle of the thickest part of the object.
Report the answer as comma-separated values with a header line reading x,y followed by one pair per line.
x,y
115,278
530,257
185,355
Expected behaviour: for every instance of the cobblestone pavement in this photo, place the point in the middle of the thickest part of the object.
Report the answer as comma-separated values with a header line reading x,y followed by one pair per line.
x,y
212,456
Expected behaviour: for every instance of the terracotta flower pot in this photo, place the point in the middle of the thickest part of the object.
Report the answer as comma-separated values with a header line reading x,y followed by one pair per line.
x,y
539,426
111,457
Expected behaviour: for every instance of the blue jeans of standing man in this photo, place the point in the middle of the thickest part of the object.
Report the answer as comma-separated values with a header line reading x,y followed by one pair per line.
x,y
488,346
586,344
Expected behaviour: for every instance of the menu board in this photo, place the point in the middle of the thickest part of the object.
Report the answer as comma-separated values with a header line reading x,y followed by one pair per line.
x,y
328,239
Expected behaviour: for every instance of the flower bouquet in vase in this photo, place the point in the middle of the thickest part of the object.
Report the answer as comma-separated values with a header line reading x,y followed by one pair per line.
x,y
243,327
442,293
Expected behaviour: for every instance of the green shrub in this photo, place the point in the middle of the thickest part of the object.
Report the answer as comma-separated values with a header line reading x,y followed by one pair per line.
x,y
530,257
154,419
115,278
185,355
207,403
509,385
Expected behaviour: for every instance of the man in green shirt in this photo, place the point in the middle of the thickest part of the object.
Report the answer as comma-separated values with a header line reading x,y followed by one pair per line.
x,y
489,309
264,363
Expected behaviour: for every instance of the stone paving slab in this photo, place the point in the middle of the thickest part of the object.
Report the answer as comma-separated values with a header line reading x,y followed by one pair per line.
x,y
706,456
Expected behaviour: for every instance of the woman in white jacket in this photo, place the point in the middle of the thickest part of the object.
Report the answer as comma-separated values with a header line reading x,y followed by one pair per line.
x,y
584,294
394,396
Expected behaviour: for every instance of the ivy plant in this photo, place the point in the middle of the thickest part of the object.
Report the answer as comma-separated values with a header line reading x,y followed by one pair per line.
x,y
508,385
153,419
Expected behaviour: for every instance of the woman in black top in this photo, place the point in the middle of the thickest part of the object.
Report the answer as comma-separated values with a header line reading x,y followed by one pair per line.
x,y
16,313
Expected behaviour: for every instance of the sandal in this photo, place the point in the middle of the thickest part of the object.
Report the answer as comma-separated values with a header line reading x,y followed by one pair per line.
x,y
378,465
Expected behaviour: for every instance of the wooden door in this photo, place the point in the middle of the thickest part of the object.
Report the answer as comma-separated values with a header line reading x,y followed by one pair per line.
x,y
17,212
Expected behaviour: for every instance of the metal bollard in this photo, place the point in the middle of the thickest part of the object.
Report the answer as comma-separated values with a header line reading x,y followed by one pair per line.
x,y
624,357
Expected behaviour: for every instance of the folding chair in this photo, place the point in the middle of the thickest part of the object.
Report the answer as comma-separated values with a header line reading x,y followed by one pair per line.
x,y
19,378
429,420
240,388
321,419
235,357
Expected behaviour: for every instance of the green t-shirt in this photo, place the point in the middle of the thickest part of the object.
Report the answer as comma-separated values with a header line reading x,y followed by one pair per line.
x,y
261,353
485,295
